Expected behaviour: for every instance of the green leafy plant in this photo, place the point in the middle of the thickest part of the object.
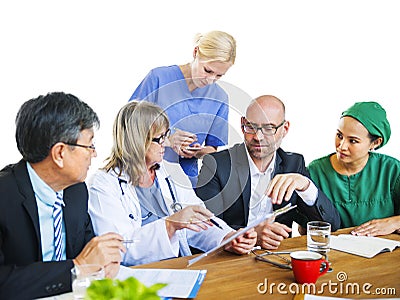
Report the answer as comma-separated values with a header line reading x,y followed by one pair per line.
x,y
130,288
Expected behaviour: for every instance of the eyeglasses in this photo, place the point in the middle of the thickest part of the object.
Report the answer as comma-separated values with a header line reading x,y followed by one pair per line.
x,y
275,258
161,139
91,147
266,130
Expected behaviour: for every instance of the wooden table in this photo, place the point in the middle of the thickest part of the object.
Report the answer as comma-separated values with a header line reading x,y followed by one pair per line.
x,y
231,276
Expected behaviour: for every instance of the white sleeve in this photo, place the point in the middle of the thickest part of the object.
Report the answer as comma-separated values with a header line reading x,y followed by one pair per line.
x,y
205,239
310,195
113,212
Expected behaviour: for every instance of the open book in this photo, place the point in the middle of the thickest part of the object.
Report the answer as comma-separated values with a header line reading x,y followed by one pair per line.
x,y
366,246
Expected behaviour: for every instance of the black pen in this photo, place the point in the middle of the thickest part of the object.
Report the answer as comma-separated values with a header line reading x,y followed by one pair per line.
x,y
215,223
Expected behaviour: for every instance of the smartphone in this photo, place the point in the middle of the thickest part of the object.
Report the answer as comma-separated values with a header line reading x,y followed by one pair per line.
x,y
193,148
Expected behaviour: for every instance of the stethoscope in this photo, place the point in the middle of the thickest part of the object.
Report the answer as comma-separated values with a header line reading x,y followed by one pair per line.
x,y
131,216
175,206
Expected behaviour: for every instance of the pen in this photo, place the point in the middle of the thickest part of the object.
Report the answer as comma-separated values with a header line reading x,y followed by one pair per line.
x,y
130,241
283,210
216,224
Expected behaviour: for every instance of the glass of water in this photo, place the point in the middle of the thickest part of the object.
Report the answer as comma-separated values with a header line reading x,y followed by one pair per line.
x,y
318,237
82,276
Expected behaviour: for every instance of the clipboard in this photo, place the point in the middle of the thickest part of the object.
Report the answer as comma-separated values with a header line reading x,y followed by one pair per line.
x,y
252,224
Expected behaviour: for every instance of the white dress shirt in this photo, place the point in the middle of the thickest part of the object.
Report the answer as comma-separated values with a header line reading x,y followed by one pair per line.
x,y
259,206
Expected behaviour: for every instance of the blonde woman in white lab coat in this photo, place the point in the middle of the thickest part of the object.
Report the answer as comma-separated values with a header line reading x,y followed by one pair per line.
x,y
151,202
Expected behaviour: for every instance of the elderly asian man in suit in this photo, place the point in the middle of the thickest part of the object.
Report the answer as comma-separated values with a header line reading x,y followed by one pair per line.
x,y
45,228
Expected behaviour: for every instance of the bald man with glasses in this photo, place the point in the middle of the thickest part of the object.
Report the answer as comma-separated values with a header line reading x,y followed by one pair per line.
x,y
256,177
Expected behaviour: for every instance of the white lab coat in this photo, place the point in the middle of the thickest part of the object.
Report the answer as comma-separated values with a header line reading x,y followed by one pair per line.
x,y
115,207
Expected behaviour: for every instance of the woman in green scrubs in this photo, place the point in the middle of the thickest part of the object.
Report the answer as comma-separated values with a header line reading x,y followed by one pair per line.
x,y
363,185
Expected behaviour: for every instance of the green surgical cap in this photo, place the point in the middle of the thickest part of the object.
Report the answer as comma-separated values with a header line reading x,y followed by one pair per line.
x,y
373,117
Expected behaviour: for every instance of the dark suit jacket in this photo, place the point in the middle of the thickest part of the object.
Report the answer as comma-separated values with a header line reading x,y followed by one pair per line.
x,y
23,274
224,185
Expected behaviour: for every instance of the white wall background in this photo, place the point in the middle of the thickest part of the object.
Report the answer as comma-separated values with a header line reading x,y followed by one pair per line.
x,y
318,56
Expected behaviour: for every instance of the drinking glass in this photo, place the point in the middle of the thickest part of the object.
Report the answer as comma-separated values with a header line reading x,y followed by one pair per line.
x,y
82,276
318,237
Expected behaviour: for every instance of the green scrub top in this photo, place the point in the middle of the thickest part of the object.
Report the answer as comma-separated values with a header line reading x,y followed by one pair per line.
x,y
373,193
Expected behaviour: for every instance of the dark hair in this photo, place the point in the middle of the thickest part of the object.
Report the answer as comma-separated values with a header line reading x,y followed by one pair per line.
x,y
46,120
373,138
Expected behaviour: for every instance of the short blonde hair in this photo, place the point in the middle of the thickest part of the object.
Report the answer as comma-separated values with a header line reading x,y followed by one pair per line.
x,y
216,46
134,128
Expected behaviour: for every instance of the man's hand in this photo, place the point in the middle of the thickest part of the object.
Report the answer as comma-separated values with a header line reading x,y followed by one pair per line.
x,y
104,250
282,186
242,244
111,270
270,235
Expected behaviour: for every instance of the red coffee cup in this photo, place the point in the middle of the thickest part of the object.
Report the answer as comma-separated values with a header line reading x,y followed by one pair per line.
x,y
307,266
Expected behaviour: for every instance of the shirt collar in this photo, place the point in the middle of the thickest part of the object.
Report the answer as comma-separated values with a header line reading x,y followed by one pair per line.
x,y
123,176
253,168
41,189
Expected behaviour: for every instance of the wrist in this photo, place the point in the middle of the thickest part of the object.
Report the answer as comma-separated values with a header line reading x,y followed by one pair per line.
x,y
169,227
76,262
306,186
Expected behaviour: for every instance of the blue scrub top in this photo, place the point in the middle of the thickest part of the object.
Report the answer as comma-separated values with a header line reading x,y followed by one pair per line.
x,y
204,111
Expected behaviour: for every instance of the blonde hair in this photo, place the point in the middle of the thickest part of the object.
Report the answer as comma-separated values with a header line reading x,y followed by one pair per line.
x,y
216,46
134,128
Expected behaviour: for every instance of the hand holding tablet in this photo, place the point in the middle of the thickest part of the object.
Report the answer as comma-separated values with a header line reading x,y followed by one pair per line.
x,y
254,223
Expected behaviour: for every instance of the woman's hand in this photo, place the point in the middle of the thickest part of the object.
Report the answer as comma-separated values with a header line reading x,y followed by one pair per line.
x,y
194,150
242,244
193,217
180,140
378,227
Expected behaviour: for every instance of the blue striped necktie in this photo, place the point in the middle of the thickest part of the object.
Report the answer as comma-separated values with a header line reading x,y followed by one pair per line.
x,y
57,219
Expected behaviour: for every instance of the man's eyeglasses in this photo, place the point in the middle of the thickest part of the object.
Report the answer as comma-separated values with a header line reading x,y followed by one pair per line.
x,y
161,139
280,259
91,147
266,130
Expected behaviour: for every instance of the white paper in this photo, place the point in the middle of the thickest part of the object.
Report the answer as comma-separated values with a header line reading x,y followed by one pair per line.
x,y
180,283
366,246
